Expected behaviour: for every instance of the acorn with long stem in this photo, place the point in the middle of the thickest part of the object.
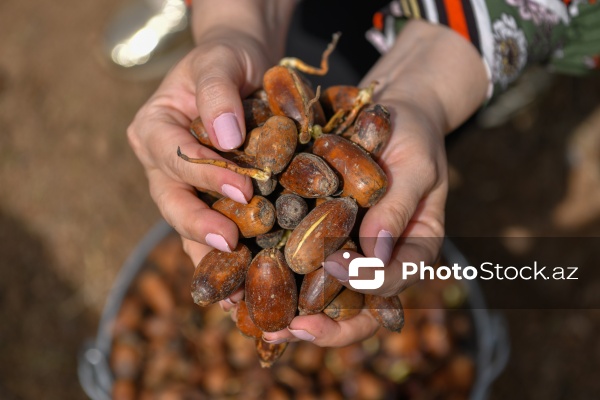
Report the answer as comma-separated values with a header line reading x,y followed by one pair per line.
x,y
253,173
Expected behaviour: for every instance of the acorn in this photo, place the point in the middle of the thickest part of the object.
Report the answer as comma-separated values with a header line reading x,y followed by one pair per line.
x,y
244,323
270,239
372,129
276,144
198,130
156,293
268,353
362,178
271,292
290,209
338,97
318,289
256,112
290,95
253,219
309,176
219,274
346,305
323,231
387,311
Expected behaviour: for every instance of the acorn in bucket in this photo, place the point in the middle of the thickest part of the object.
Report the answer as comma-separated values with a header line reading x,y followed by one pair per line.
x,y
317,183
165,347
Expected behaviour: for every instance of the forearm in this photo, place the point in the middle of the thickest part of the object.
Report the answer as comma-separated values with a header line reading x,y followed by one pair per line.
x,y
434,71
266,21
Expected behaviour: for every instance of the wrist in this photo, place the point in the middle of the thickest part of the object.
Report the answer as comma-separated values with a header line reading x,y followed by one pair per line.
x,y
264,21
434,70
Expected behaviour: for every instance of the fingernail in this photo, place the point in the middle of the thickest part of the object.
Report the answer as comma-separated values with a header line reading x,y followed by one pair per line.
x,y
233,193
384,246
236,296
228,300
336,270
302,334
228,131
275,341
217,241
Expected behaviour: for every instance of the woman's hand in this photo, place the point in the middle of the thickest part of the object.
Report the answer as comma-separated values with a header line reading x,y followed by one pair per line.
x,y
431,81
236,43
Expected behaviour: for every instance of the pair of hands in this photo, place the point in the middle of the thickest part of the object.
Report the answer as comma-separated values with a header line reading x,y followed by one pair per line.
x,y
406,225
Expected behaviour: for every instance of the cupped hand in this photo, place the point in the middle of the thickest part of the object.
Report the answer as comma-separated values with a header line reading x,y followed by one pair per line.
x,y
412,210
209,82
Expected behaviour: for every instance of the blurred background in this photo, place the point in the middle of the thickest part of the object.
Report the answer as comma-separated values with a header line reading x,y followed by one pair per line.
x,y
74,199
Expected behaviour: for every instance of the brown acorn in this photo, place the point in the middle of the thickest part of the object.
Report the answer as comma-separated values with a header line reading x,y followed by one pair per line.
x,y
309,176
244,323
387,311
264,188
372,129
270,239
346,305
363,179
218,274
338,97
127,357
198,130
256,112
291,96
276,144
129,317
255,218
124,389
345,112
251,142
271,293
318,289
156,293
323,231
269,353
291,209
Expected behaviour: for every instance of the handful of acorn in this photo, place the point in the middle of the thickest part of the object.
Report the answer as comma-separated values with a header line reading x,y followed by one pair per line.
x,y
310,155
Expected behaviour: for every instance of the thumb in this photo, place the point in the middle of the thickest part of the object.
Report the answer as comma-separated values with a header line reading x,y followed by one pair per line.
x,y
221,80
405,226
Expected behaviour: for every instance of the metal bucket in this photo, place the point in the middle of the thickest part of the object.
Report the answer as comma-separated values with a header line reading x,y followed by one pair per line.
x,y
491,348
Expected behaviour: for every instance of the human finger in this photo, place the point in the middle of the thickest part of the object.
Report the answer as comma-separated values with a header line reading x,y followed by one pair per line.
x,y
323,331
219,88
189,216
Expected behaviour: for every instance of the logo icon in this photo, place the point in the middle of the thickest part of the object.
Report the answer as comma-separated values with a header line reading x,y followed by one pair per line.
x,y
365,262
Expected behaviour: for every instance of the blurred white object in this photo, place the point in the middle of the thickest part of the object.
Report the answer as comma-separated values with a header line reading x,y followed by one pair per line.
x,y
147,37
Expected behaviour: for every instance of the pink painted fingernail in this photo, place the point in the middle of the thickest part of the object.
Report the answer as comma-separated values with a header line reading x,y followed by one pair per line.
x,y
336,270
302,334
217,241
384,246
275,341
233,193
227,131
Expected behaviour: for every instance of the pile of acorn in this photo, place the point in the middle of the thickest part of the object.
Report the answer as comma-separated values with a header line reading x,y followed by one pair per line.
x,y
165,347
312,157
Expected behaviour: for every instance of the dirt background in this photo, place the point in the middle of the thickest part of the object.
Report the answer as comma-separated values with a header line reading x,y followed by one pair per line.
x,y
74,202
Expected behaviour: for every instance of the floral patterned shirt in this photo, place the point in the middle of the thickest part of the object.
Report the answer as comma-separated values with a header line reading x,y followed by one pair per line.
x,y
509,34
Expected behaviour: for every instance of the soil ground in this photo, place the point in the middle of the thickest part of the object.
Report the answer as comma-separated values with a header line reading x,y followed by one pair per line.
x,y
74,203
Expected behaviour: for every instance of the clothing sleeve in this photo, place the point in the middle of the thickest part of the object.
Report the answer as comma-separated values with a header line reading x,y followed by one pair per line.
x,y
564,35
